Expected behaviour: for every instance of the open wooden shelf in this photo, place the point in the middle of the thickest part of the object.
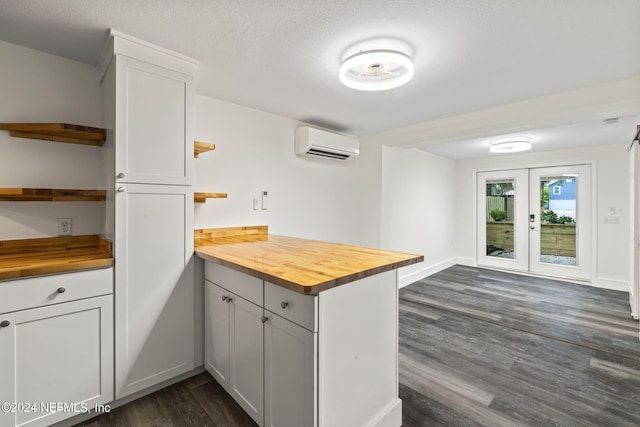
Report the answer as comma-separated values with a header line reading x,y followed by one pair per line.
x,y
50,195
202,197
57,132
34,257
202,147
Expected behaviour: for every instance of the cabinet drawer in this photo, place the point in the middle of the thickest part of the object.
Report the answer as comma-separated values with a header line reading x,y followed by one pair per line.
x,y
248,287
296,307
33,292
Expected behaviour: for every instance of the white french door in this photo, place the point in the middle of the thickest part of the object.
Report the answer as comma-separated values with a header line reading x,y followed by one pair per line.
x,y
560,231
503,205
536,220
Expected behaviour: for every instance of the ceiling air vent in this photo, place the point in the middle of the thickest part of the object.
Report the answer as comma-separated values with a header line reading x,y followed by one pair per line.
x,y
321,144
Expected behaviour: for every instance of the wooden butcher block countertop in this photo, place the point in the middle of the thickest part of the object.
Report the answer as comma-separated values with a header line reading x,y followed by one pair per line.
x,y
305,266
34,257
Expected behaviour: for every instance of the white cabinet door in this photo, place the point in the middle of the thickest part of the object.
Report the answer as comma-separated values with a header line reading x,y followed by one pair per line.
x,y
290,374
154,286
217,332
7,367
246,356
59,354
153,140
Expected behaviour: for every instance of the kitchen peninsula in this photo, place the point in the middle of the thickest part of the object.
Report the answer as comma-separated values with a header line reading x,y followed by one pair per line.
x,y
302,332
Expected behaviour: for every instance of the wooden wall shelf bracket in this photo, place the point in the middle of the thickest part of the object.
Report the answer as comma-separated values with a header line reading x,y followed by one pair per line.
x,y
202,147
202,197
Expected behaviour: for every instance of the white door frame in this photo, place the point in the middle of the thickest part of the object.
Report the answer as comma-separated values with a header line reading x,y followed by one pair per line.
x,y
634,248
583,239
594,222
520,177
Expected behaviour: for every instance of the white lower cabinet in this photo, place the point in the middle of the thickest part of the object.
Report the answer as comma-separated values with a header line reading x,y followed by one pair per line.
x,y
329,360
290,367
245,357
56,361
234,347
154,326
217,332
267,363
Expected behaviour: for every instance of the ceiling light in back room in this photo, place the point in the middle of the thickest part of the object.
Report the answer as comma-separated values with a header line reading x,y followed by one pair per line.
x,y
376,69
512,144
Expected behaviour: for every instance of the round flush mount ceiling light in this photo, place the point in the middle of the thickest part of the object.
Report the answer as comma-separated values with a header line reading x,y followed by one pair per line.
x,y
377,69
510,145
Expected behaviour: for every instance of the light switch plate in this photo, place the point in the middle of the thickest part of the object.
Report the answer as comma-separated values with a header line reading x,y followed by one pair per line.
x,y
265,197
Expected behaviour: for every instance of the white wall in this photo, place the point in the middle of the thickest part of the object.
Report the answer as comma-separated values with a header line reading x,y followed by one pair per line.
x,y
418,202
611,178
370,192
38,87
308,198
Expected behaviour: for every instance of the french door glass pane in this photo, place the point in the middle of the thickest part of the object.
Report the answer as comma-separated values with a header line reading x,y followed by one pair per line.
x,y
558,218
500,198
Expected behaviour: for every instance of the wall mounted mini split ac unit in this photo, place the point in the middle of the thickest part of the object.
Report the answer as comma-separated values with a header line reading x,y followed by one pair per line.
x,y
321,144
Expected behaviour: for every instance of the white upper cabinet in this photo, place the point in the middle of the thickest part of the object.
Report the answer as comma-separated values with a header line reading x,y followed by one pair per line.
x,y
153,136
153,129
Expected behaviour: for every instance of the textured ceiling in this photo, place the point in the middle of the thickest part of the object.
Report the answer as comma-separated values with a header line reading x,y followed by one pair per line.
x,y
283,56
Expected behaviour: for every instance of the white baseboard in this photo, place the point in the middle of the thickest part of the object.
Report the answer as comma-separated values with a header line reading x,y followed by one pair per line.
x,y
598,282
413,277
469,262
612,284
390,417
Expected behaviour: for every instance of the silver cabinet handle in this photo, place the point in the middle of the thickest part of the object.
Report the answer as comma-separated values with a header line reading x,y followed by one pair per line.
x,y
120,190
4,323
120,175
229,299
224,298
61,290
284,304
264,319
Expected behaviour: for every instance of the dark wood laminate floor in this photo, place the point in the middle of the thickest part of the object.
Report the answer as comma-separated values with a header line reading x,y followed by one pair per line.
x,y
195,402
486,348
477,348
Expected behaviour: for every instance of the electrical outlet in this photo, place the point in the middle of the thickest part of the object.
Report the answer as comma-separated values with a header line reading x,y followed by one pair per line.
x,y
64,226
